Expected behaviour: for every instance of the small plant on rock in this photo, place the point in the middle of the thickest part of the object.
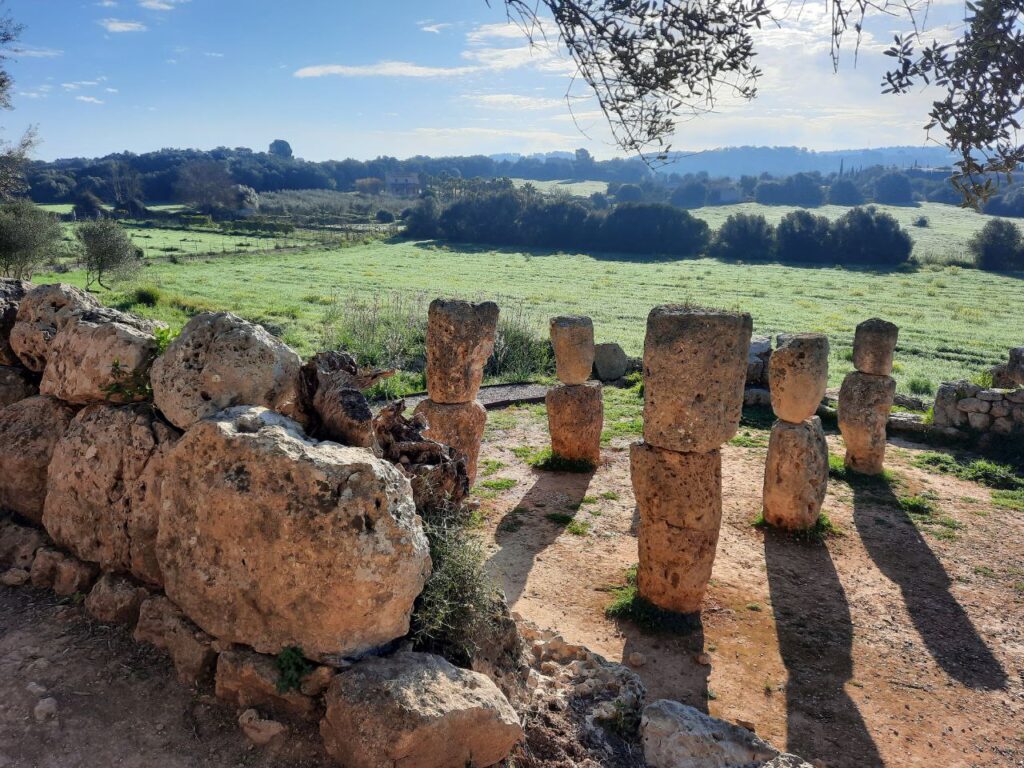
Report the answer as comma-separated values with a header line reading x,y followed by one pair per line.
x,y
292,666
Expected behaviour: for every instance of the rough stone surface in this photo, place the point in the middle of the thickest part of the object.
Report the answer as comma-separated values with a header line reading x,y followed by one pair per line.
x,y
261,731
695,364
270,539
16,384
18,544
14,577
44,567
798,374
115,599
459,425
94,481
344,415
758,358
1015,366
575,420
11,293
43,312
796,474
864,405
874,343
675,735
679,498
757,396
416,710
94,359
220,360
29,430
247,679
572,337
71,575
460,338
162,624
610,362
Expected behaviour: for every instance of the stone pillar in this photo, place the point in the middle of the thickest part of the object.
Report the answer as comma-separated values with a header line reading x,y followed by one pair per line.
x,y
695,364
460,338
866,396
575,408
796,471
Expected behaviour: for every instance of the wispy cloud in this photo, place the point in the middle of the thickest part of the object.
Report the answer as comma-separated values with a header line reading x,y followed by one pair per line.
x,y
107,3
214,55
117,25
79,84
514,101
89,99
27,51
160,5
433,27
382,69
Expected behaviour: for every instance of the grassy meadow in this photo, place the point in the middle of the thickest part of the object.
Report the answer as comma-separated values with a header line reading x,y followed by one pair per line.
x,y
954,321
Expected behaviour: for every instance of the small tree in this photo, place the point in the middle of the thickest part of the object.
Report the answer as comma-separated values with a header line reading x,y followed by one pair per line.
x,y
207,185
744,236
844,192
27,235
999,245
281,148
803,237
629,193
88,206
108,251
894,189
869,236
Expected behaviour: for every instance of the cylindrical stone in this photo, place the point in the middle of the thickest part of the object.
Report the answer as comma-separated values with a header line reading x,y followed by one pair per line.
x,y
460,338
575,420
798,375
874,343
572,337
459,425
864,405
795,475
695,366
679,498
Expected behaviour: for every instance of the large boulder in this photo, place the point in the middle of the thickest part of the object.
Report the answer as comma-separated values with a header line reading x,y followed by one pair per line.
x,y
162,624
247,679
100,356
459,425
610,361
270,539
29,430
798,375
795,474
572,338
11,293
758,357
1015,366
417,711
460,338
695,365
16,384
95,502
864,405
220,360
575,420
874,343
43,312
18,544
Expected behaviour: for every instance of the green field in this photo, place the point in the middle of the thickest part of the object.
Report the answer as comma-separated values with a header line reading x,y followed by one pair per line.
x,y
579,188
954,321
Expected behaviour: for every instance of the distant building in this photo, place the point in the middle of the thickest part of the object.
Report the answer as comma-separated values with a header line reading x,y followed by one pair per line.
x,y
402,185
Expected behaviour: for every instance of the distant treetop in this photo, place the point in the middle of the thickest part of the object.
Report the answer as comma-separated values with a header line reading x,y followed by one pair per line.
x,y
281,148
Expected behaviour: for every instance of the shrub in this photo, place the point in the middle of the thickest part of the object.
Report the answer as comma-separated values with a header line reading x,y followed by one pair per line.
x,y
385,217
803,237
799,189
921,386
690,195
744,236
869,236
629,193
28,235
147,295
845,192
652,228
999,245
894,189
922,221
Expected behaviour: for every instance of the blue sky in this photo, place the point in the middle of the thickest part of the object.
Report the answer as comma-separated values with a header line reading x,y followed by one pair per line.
x,y
340,78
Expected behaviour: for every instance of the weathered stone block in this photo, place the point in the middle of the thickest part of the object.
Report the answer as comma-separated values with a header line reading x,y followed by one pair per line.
x,y
798,375
874,343
572,337
459,425
162,624
973,405
115,599
1015,366
29,430
42,313
675,735
575,420
695,364
18,544
864,405
796,474
11,293
610,361
246,679
979,421
16,384
460,338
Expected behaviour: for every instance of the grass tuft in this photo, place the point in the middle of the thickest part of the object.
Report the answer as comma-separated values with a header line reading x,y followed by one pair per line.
x,y
627,605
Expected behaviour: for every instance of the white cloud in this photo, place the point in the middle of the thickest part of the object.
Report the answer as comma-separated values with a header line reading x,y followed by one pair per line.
x,y
111,90
433,28
117,25
37,53
160,5
79,84
514,101
383,69
107,3
89,99
214,55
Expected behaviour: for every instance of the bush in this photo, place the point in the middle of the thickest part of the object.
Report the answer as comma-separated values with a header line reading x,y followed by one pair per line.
x,y
744,236
147,295
921,386
629,193
844,192
805,238
690,195
423,220
922,221
999,245
652,228
799,189
894,189
385,217
869,236
28,236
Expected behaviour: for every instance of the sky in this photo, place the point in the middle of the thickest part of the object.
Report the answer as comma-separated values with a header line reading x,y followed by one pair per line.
x,y
339,78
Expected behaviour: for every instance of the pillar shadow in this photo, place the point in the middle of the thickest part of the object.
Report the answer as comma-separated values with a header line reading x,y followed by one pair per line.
x,y
815,633
525,530
900,551
671,669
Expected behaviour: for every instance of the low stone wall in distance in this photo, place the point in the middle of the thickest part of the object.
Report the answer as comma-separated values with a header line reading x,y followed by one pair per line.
x,y
968,406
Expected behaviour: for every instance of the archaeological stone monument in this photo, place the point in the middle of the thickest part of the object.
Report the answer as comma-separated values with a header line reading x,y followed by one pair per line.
x,y
695,363
575,407
866,396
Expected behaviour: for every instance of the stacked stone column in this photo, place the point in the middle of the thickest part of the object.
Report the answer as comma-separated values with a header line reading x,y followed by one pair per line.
x,y
575,407
695,364
866,396
796,473
460,338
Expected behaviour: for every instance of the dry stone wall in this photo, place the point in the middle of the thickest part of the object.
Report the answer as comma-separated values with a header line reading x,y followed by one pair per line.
x,y
968,406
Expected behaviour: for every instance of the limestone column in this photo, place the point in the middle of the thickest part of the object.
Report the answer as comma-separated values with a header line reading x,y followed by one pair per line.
x,y
866,396
695,364
575,407
796,472
460,338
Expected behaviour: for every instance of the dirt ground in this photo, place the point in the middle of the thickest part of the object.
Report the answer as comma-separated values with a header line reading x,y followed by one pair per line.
x,y
887,644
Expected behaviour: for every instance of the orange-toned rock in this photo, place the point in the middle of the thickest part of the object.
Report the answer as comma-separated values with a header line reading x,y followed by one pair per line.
x,y
575,420
11,293
572,337
695,365
43,312
29,430
679,498
18,544
162,624
459,425
460,338
796,474
93,480
874,343
115,599
864,405
798,375
16,384
220,360
417,710
270,539
247,679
